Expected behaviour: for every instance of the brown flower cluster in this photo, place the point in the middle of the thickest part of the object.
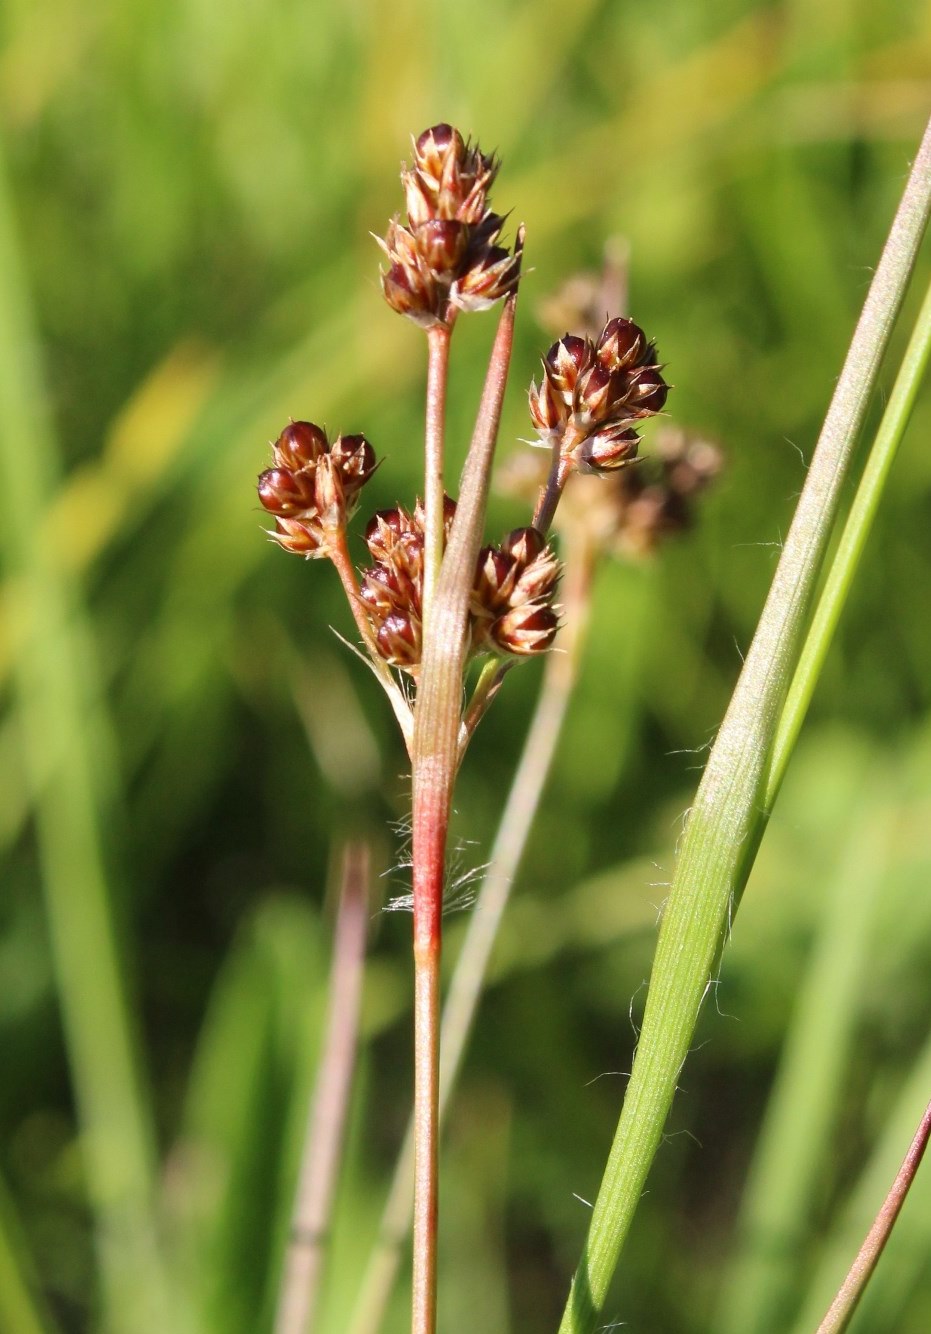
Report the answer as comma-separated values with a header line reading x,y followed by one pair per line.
x,y
447,258
314,486
511,608
512,600
592,393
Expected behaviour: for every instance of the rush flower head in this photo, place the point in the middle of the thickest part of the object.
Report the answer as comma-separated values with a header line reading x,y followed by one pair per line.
x,y
313,486
511,610
446,257
594,391
512,599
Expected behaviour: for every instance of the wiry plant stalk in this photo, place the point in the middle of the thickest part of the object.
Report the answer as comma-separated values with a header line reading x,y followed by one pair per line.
x,y
326,1121
435,760
469,975
438,340
844,1305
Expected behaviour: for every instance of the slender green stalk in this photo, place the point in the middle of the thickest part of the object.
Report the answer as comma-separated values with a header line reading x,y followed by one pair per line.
x,y
61,718
21,1310
850,548
326,1120
726,813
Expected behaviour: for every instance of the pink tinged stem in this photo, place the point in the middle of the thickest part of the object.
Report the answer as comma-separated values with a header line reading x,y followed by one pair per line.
x,y
435,754
438,338
326,1122
551,493
845,1303
430,827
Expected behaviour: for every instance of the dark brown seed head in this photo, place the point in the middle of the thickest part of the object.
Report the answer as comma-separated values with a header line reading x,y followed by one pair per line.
x,y
446,258
511,603
524,544
303,537
608,449
489,276
299,445
525,630
284,492
565,362
622,344
548,408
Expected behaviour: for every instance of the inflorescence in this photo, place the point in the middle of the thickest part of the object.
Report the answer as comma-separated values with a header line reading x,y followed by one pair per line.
x,y
594,395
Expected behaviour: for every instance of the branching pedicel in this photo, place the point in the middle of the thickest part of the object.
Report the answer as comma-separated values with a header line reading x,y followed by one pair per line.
x,y
434,598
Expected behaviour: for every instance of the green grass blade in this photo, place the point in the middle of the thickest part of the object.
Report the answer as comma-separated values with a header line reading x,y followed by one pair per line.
x,y
65,752
20,1309
726,814
850,548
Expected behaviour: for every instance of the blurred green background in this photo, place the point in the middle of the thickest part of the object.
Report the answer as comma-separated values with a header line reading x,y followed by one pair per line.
x,y
187,193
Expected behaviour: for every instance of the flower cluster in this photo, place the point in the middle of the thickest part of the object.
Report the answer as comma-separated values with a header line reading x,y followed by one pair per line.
x,y
511,608
446,258
392,587
314,486
593,391
512,599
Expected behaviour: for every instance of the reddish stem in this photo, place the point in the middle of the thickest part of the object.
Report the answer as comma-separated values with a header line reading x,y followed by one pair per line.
x,y
437,374
338,551
431,819
551,493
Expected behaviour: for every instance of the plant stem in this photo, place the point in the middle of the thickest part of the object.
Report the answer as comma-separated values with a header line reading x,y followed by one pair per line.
x,y
845,1303
434,761
468,980
550,495
438,339
326,1121
431,820
850,547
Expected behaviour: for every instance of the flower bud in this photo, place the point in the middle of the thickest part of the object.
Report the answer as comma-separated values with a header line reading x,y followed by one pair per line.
x,y
647,392
524,544
303,537
442,245
565,362
622,344
490,276
608,449
525,630
284,492
398,640
595,395
300,444
548,409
